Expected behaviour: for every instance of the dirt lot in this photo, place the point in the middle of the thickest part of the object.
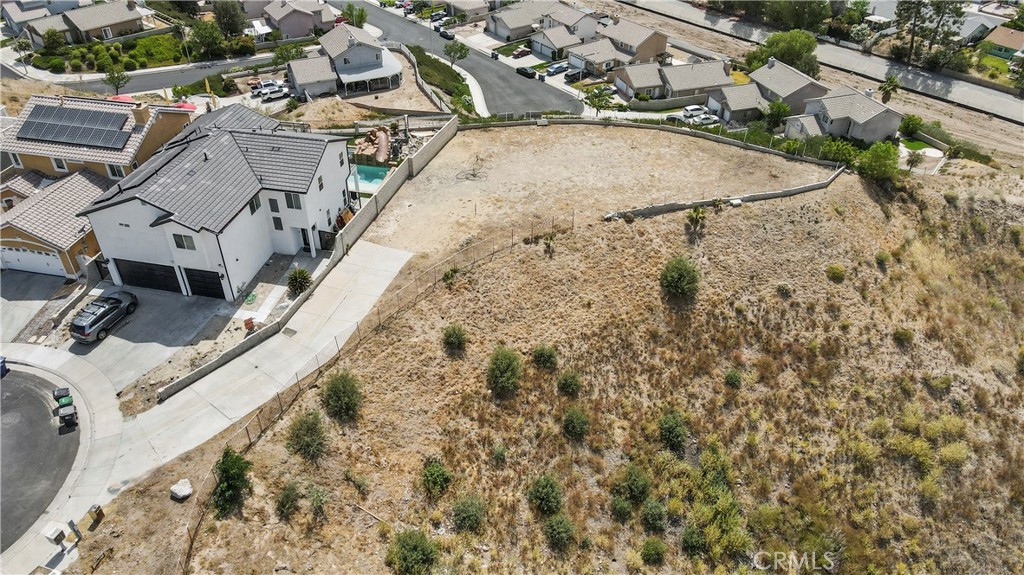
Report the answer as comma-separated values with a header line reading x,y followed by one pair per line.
x,y
14,93
486,180
1000,138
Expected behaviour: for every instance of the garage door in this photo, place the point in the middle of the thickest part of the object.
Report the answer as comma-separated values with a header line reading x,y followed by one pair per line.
x,y
36,261
204,283
147,275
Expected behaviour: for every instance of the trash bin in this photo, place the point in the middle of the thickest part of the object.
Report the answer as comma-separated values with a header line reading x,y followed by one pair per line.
x,y
65,401
61,392
540,77
96,513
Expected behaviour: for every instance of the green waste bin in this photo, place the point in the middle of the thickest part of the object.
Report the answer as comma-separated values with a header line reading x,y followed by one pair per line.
x,y
65,401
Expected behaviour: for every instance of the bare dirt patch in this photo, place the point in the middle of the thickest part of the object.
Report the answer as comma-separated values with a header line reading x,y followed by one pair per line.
x,y
16,92
485,180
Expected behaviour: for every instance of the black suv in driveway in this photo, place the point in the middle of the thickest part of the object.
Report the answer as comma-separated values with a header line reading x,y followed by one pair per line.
x,y
102,314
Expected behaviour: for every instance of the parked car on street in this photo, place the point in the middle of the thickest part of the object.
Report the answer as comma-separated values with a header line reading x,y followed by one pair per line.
x,y
557,68
96,320
521,51
447,35
526,71
704,120
574,76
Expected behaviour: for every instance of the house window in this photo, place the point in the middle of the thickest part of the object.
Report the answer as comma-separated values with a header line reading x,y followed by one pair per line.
x,y
377,55
277,224
273,205
184,242
115,172
59,164
15,160
107,34
341,159
8,203
344,61
293,201
320,182
135,165
254,204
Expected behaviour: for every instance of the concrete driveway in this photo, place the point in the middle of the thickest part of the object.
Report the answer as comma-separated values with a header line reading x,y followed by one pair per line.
x,y
163,323
22,295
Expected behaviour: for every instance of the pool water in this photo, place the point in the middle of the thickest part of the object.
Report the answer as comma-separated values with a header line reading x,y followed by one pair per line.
x,y
370,178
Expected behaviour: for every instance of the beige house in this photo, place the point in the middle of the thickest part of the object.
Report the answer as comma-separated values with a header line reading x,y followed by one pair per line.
x,y
779,81
298,18
620,44
58,135
361,62
845,113
98,22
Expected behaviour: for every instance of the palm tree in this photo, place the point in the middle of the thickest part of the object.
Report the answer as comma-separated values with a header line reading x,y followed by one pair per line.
x,y
889,87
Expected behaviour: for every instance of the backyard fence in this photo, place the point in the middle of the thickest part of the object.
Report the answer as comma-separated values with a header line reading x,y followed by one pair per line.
x,y
344,346
424,87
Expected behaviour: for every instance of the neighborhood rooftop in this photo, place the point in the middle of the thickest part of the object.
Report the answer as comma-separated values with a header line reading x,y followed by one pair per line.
x,y
845,102
696,76
278,9
202,183
742,97
51,214
27,183
311,70
526,13
560,37
101,15
600,51
781,78
645,75
629,33
341,38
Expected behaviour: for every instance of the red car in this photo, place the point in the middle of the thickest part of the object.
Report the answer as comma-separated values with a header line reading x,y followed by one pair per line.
x,y
521,51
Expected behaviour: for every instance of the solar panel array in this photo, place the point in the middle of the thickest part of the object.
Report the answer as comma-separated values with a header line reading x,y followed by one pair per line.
x,y
75,126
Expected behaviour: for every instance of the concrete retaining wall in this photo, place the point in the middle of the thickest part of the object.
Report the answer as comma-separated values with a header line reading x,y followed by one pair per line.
x,y
668,103
262,45
981,82
137,35
931,141
422,157
391,111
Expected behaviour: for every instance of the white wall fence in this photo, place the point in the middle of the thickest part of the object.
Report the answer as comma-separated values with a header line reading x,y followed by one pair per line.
x,y
424,87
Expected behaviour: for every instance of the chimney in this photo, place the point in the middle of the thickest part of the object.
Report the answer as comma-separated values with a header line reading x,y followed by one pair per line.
x,y
869,93
771,62
141,113
284,2
351,40
131,5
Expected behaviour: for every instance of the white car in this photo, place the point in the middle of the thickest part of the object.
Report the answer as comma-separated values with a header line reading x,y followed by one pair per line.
x,y
704,120
694,111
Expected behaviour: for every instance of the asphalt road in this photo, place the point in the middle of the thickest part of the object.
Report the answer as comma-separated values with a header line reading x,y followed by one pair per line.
x,y
168,79
504,90
37,454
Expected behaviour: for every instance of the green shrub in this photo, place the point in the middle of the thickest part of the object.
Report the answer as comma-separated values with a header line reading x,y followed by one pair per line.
x,y
454,337
560,532
939,385
468,513
954,454
915,449
545,495
903,337
733,378
882,260
910,125
836,273
840,151
76,65
1020,362
621,509
318,498
503,372
653,551
693,542
674,431
56,66
929,491
288,501
299,280
680,278
233,485
130,65
952,199
569,383
292,104
436,478
307,436
633,484
575,424
143,62
545,357
342,397
499,453
654,516
412,553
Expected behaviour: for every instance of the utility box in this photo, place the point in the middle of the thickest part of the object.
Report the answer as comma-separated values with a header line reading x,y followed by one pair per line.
x,y
96,513
54,535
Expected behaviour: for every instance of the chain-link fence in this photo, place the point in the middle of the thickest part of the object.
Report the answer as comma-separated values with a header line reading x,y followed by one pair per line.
x,y
345,344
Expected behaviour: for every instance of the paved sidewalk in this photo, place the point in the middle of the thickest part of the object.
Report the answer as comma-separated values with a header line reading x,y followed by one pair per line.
x,y
121,453
970,95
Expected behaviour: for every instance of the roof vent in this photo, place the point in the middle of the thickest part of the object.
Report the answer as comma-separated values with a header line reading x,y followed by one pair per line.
x,y
771,62
869,93
260,178
206,156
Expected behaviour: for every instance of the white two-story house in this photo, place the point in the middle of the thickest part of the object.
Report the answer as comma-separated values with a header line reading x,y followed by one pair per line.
x,y
361,62
202,216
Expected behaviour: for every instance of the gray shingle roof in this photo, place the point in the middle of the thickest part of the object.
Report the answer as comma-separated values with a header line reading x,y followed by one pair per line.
x,y
122,157
744,97
627,32
642,75
100,15
525,13
782,78
311,70
559,37
52,213
55,22
565,15
809,122
600,51
280,8
845,102
17,14
701,75
202,183
343,37
27,183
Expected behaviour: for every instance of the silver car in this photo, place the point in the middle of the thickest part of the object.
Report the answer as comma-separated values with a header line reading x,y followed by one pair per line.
x,y
95,320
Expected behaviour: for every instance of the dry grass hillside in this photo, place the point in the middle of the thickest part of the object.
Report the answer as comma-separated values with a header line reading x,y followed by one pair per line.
x,y
877,415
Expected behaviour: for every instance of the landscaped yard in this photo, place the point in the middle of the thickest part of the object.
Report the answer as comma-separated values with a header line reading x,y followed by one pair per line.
x,y
507,49
996,63
915,145
161,50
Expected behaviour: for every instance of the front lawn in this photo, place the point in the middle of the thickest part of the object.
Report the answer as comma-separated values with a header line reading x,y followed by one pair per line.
x,y
996,63
507,49
915,145
159,50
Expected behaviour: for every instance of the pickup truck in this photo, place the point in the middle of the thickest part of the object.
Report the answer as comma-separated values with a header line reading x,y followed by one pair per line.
x,y
264,87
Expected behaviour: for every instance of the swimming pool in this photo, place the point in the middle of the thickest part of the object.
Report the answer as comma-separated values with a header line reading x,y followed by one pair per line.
x,y
370,178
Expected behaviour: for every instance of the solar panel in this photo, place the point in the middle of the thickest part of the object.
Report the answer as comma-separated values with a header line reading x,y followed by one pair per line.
x,y
75,126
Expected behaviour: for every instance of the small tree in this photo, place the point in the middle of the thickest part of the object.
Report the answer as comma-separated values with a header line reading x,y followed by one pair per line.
x,y
777,111
795,48
674,431
654,516
468,513
233,483
653,551
632,484
575,424
436,477
412,553
360,17
230,17
455,51
569,383
288,501
880,162
504,371
285,54
207,38
116,78
299,280
598,100
910,125
53,41
545,357
696,217
342,397
680,278
890,86
914,159
545,495
307,436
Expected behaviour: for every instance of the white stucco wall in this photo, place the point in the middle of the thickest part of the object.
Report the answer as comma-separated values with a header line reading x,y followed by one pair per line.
x,y
247,244
357,56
